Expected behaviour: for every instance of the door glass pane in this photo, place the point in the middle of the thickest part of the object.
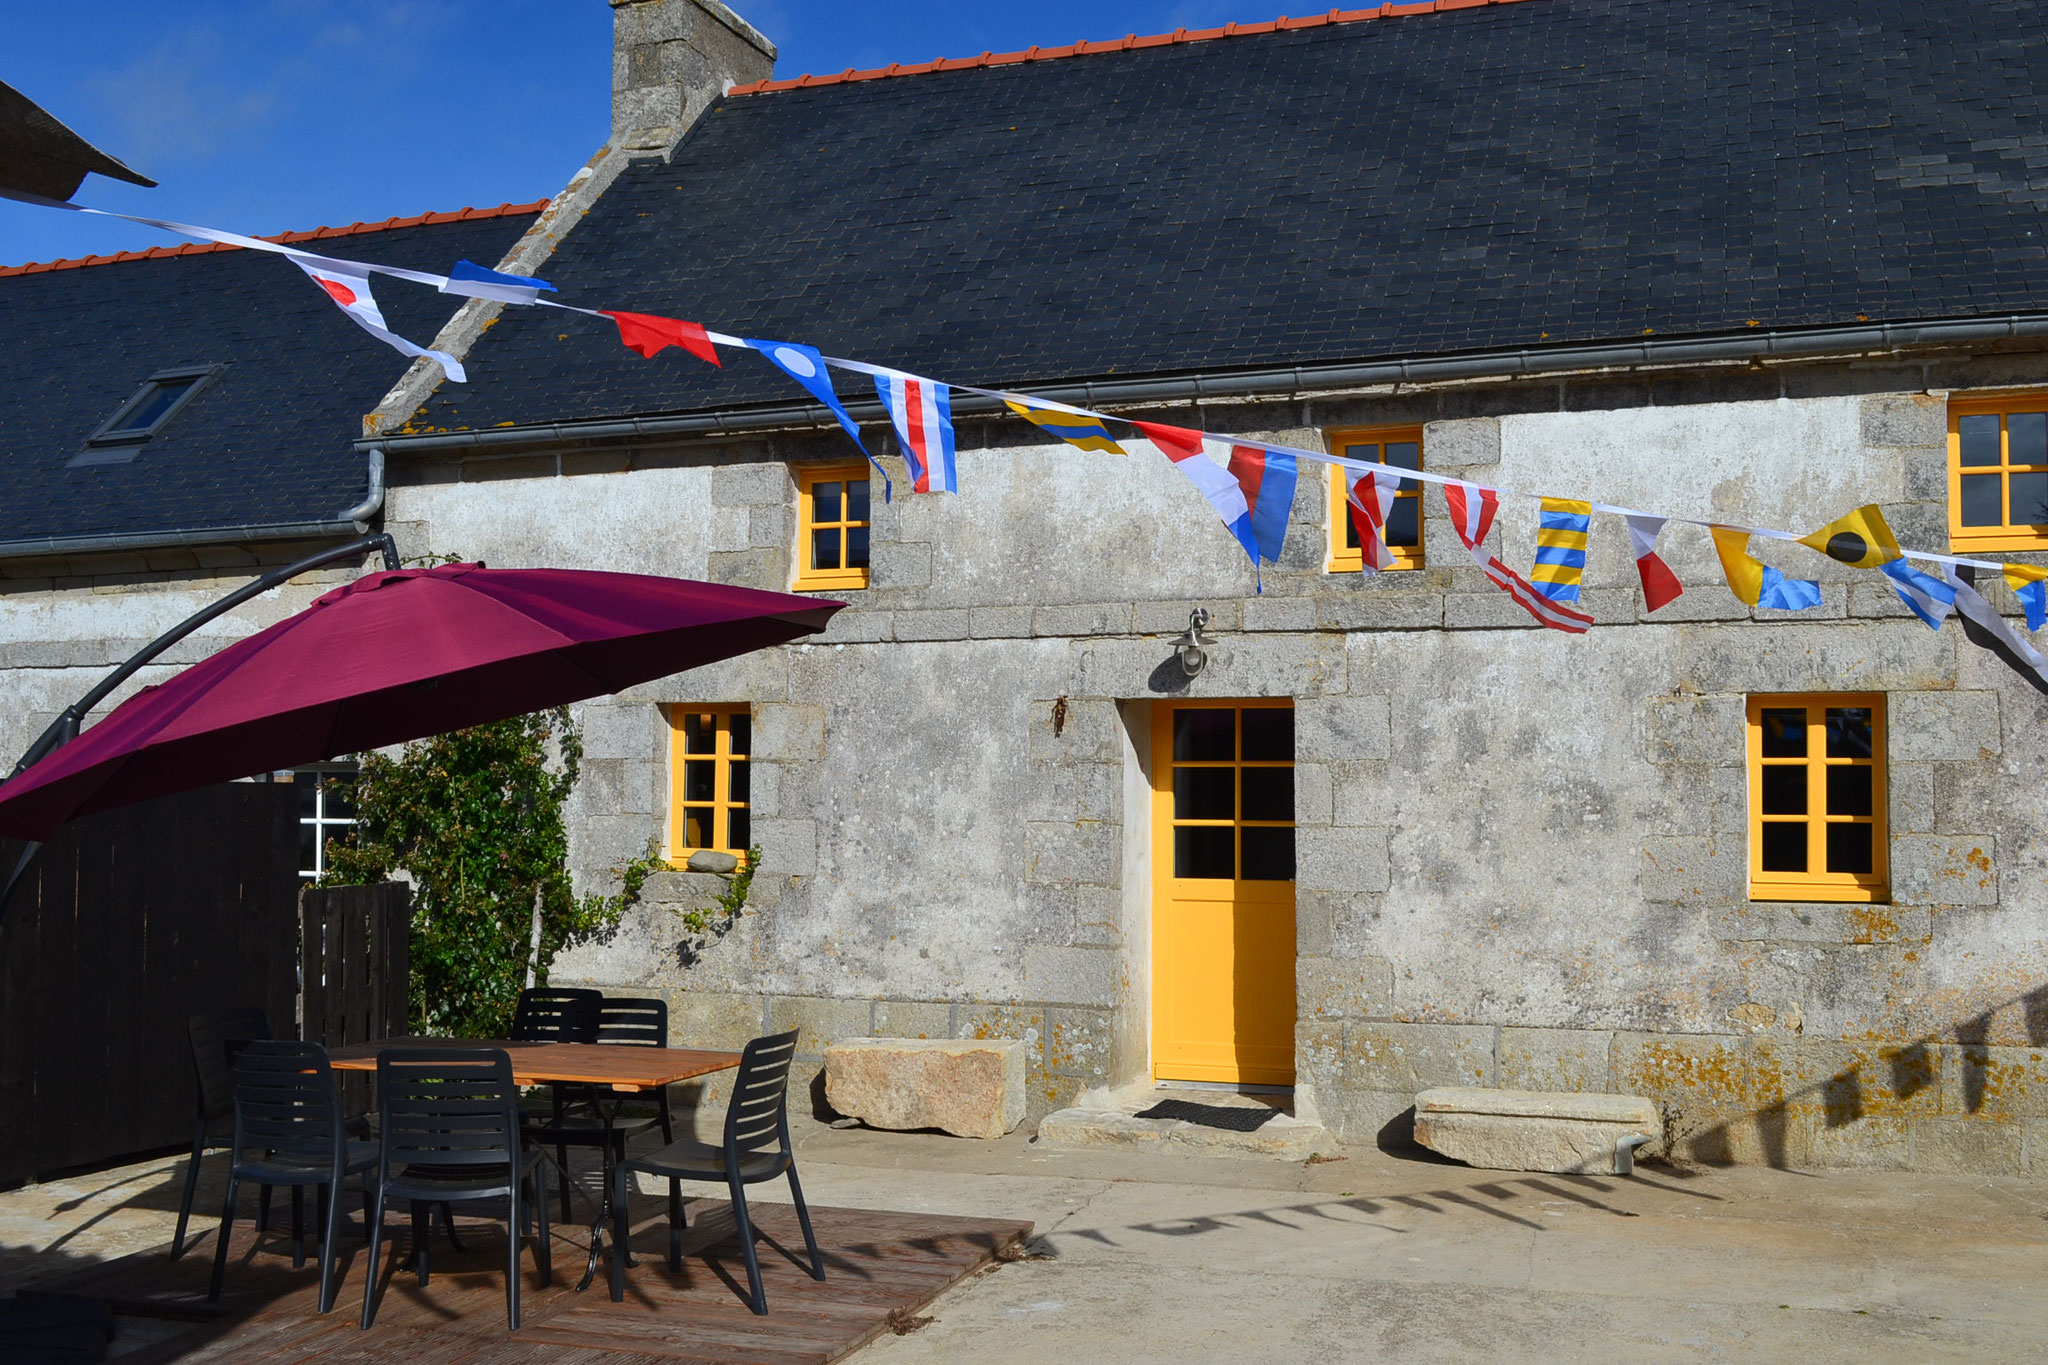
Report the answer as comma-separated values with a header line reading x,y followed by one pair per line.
x,y
1404,522
1784,734
857,500
2029,499
739,776
856,547
741,728
697,827
1205,851
1268,793
1981,500
825,549
700,779
742,830
1848,732
1979,439
700,734
1784,847
1204,793
1269,735
1849,848
1785,789
1209,734
2026,438
1268,854
1848,790
825,502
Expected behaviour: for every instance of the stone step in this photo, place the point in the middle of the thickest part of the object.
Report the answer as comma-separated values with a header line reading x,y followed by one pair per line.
x,y
1284,1136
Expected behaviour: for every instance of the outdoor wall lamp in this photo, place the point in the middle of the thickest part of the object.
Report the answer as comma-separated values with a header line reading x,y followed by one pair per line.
x,y
1193,646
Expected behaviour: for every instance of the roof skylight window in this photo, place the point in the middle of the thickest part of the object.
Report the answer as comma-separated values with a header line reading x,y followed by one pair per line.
x,y
154,404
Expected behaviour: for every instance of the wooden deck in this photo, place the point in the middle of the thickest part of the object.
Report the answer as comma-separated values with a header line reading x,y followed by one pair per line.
x,y
880,1268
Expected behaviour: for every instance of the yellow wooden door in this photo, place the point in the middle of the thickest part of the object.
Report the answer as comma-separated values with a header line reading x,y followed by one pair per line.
x,y
1223,891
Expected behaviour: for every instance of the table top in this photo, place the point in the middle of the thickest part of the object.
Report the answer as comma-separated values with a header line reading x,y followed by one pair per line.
x,y
622,1066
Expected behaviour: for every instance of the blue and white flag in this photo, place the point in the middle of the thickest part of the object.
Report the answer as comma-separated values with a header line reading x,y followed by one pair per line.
x,y
807,367
474,281
922,412
1930,598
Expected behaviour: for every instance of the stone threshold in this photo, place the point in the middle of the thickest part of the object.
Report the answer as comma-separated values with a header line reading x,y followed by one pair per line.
x,y
1110,1119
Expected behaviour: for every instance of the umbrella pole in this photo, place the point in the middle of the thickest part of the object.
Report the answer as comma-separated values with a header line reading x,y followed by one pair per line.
x,y
65,728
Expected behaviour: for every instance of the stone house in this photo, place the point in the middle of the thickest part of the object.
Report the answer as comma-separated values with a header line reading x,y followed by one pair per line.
x,y
1757,262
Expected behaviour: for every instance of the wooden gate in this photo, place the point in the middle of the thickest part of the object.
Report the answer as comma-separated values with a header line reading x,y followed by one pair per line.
x,y
354,973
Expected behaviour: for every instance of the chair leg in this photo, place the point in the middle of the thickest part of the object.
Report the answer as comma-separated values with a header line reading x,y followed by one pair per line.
x,y
622,1214
263,1210
803,1217
298,1227
562,1166
191,1188
448,1220
544,1248
514,1218
222,1238
677,1221
668,1120
739,1213
370,1276
329,1234
368,1196
420,1231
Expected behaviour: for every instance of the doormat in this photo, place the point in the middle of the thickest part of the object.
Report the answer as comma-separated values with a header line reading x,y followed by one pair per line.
x,y
1236,1118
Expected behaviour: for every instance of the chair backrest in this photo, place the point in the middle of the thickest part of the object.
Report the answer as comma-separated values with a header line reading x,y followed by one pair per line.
x,y
548,1015
757,1115
285,1100
452,1106
211,1034
630,1020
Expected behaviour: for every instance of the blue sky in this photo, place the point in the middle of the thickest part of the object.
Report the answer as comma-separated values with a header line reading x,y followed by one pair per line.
x,y
265,115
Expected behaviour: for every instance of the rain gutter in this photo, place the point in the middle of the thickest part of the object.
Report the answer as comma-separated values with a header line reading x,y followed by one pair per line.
x,y
354,521
1507,364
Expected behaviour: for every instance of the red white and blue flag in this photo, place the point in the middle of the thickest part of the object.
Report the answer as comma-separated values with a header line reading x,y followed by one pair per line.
x,y
1267,479
1472,513
922,412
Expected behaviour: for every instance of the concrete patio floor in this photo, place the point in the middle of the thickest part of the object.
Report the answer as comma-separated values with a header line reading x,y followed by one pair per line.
x,y
1163,1256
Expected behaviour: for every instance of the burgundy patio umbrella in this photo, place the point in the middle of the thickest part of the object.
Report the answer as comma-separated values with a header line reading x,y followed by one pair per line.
x,y
396,656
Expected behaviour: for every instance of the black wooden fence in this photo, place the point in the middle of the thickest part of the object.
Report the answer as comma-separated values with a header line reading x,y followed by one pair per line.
x,y
353,974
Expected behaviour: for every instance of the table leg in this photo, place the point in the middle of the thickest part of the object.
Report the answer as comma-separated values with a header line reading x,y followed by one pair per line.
x,y
618,1218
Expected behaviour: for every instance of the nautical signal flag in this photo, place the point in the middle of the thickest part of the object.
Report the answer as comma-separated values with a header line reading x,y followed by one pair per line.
x,y
1862,539
1755,582
650,335
1081,432
1660,586
807,367
1472,512
2030,585
474,281
1561,548
1369,496
1929,597
1224,492
1268,479
349,286
922,413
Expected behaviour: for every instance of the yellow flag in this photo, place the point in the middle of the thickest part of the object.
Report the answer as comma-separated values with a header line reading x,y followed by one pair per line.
x,y
2017,576
1083,433
1862,540
1745,574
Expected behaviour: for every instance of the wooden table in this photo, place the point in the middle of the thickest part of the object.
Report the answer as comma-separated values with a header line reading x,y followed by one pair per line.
x,y
622,1068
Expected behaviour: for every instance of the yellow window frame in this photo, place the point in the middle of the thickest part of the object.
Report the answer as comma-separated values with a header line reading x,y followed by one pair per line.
x,y
1345,554
702,814
2005,534
1873,886
839,576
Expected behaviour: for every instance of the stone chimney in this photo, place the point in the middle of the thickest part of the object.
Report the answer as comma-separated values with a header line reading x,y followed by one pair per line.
x,y
670,59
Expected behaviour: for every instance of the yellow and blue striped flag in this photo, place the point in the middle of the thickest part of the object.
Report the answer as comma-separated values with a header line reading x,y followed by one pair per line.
x,y
1561,548
1083,433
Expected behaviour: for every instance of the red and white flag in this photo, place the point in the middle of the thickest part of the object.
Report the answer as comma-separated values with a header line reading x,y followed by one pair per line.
x,y
1472,512
349,287
1371,497
1660,585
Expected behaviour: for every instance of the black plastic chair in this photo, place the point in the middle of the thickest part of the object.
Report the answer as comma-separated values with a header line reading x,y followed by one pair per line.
x,y
578,1120
546,1014
288,1130
450,1132
756,1148
214,1125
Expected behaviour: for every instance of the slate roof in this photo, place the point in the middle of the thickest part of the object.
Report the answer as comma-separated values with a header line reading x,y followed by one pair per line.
x,y
267,443
1508,175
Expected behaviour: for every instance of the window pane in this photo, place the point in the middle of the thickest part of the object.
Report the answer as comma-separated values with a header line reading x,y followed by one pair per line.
x,y
1848,732
1268,855
1785,734
1204,794
154,405
857,500
697,827
1350,530
825,502
1368,451
857,547
1981,500
741,728
740,778
1979,439
740,826
1269,734
309,845
1784,847
825,550
341,797
1268,793
1205,734
308,785
700,734
1405,455
1784,790
2026,438
1404,522
1848,790
2029,499
1205,851
700,777
1849,848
